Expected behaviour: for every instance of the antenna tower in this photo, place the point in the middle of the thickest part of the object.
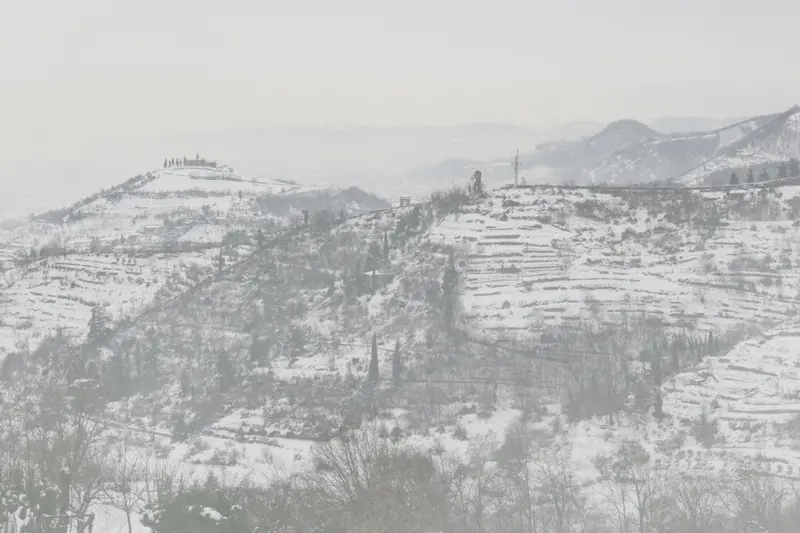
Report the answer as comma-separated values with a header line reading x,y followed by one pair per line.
x,y
516,169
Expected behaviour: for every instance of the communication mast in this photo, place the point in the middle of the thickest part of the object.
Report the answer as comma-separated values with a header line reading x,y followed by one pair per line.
x,y
515,164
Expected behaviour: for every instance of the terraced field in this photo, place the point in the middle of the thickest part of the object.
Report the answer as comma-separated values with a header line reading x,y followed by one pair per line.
x,y
150,238
534,258
739,411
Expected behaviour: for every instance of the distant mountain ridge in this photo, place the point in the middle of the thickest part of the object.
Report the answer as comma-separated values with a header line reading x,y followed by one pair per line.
x,y
631,152
771,141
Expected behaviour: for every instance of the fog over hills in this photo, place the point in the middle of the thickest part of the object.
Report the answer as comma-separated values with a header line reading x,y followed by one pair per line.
x,y
630,152
386,161
199,331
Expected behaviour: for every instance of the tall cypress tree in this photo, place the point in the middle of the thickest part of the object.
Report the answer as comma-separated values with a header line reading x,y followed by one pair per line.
x,y
373,361
397,365
676,360
449,294
783,170
226,373
658,405
794,167
386,246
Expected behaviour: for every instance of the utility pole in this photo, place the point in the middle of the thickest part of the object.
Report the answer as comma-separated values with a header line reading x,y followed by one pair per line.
x,y
516,169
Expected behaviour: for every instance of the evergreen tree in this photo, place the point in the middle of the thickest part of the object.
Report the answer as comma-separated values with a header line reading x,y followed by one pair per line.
x,y
99,326
165,163
373,361
116,376
450,294
783,171
676,360
658,405
397,365
138,360
734,179
226,375
751,178
296,343
260,239
149,362
764,175
477,183
374,258
258,351
358,279
711,343
386,246
657,378
186,387
306,214
794,167
180,430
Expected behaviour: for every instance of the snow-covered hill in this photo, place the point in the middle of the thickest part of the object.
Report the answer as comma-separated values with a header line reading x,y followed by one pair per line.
x,y
537,256
294,320
569,304
629,152
151,237
760,144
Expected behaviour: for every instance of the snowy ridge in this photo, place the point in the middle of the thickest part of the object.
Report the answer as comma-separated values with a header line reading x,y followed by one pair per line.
x,y
764,142
629,152
152,237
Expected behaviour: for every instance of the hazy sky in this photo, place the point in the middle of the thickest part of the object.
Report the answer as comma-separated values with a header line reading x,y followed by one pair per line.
x,y
84,79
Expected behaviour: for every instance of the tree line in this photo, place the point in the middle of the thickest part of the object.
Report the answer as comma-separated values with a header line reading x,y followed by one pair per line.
x,y
792,168
368,480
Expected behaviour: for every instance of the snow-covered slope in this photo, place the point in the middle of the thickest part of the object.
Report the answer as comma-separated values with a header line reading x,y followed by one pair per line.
x,y
531,261
151,237
537,256
664,157
629,152
551,162
752,396
762,143
247,368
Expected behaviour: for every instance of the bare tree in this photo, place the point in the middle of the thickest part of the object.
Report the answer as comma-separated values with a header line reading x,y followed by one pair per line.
x,y
698,502
759,504
123,489
634,490
518,471
561,493
375,482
